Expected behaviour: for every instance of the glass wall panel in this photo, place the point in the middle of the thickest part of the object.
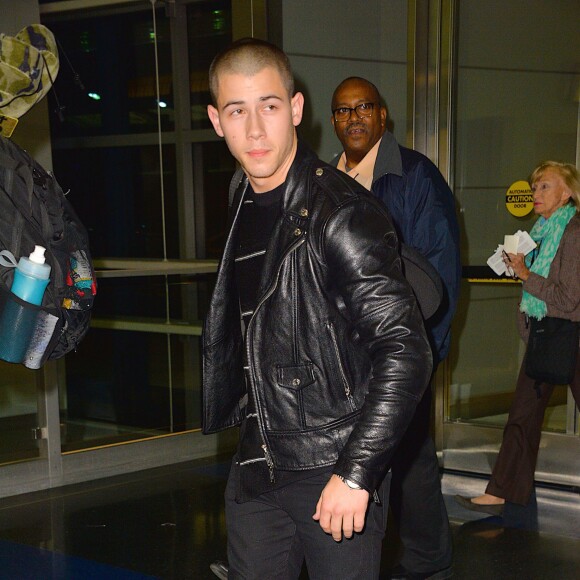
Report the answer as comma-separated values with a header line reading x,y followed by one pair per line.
x,y
153,299
138,298
486,358
134,389
126,384
137,373
18,413
218,168
116,193
517,104
106,84
209,29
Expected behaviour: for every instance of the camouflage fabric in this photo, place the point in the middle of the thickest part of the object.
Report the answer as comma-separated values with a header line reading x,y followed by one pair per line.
x,y
28,67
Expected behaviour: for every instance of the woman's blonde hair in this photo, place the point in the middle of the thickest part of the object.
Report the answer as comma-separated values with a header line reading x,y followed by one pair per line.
x,y
567,172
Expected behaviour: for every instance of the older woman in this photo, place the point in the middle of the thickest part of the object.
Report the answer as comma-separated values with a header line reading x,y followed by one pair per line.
x,y
551,287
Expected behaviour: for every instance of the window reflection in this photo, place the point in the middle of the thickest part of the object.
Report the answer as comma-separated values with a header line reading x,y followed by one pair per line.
x,y
219,166
18,407
106,84
116,192
127,395
209,30
130,379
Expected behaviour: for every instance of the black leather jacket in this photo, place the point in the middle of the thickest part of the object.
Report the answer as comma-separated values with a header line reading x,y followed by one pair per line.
x,y
338,356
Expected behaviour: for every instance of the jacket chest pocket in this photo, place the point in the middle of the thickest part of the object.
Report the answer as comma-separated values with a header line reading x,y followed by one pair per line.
x,y
296,377
294,381
305,398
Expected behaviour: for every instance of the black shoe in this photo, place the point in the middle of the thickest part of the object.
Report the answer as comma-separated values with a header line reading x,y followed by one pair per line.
x,y
220,569
399,573
494,510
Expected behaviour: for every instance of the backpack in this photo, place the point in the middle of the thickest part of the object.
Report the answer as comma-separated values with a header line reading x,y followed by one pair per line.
x,y
35,211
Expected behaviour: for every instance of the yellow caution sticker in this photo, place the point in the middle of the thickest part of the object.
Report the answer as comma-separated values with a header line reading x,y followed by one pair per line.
x,y
519,199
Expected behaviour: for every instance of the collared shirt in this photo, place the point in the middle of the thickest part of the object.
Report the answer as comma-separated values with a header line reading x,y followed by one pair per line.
x,y
363,171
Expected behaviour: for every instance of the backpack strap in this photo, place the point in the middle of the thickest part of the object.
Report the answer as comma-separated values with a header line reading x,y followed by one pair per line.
x,y
7,161
50,210
13,169
52,219
237,179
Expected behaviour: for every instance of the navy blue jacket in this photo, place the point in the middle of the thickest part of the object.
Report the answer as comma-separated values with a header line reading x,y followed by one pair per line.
x,y
422,208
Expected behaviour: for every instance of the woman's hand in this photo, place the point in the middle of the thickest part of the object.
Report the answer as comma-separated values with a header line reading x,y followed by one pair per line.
x,y
518,265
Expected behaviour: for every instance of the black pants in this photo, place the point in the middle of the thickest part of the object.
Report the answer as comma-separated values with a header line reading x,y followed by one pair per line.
x,y
513,473
416,498
270,537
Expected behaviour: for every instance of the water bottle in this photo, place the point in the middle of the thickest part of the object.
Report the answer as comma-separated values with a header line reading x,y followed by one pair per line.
x,y
17,321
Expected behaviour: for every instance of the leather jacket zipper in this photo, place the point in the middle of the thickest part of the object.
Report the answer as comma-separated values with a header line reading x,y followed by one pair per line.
x,y
345,382
270,291
269,462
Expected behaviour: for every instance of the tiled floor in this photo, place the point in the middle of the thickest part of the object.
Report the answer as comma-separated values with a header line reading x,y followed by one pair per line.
x,y
168,523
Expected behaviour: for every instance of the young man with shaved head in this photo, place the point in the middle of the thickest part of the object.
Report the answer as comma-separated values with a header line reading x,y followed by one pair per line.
x,y
313,343
422,208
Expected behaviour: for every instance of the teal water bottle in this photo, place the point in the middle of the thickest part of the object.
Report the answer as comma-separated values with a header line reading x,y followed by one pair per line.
x,y
31,277
17,322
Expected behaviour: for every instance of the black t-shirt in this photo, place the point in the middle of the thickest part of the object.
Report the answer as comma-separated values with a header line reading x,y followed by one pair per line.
x,y
258,216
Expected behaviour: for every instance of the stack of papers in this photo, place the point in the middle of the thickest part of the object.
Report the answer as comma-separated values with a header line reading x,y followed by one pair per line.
x,y
518,243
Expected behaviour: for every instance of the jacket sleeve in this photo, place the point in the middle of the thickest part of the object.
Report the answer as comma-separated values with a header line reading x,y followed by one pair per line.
x,y
429,224
561,292
360,249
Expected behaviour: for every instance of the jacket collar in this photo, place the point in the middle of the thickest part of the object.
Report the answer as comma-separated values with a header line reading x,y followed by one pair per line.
x,y
291,227
388,158
297,184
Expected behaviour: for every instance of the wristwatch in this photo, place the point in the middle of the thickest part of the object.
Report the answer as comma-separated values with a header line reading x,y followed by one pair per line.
x,y
348,482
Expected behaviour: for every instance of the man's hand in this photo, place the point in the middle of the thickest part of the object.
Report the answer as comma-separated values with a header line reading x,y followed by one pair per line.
x,y
341,509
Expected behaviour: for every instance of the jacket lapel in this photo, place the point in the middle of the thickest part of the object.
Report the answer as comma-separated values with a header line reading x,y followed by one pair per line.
x,y
291,226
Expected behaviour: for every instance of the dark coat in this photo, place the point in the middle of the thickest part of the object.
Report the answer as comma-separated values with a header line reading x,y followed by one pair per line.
x,y
422,209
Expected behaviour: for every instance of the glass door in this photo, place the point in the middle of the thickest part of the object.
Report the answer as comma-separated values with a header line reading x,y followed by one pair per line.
x,y
517,103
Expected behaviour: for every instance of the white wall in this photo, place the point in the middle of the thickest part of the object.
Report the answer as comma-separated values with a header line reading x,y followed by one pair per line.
x,y
517,105
329,40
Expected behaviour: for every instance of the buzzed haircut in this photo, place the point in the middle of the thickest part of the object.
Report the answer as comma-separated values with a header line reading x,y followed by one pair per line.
x,y
248,56
358,80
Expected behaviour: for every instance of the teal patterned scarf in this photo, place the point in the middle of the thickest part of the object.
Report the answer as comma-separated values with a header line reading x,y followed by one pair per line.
x,y
547,233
